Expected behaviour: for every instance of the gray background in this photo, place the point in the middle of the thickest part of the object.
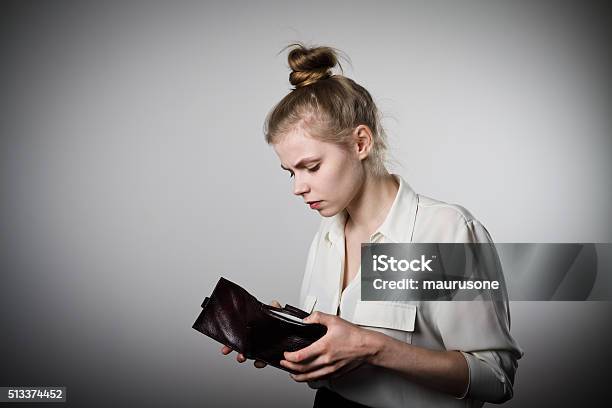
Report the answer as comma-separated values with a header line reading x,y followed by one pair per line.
x,y
134,173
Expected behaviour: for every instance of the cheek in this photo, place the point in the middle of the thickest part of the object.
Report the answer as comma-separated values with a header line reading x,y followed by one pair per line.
x,y
331,180
338,169
339,182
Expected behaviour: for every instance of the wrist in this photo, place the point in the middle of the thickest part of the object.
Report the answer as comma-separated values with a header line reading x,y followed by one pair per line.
x,y
374,346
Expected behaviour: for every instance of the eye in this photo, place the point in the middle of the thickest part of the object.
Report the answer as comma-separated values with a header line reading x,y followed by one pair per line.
x,y
290,174
315,168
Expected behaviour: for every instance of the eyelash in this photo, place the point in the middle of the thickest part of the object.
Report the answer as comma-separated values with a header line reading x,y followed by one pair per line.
x,y
315,168
312,170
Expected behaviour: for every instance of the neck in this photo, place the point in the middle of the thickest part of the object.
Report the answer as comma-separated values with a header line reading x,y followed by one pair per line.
x,y
372,203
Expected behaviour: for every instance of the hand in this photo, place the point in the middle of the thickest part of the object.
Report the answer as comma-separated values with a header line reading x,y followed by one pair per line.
x,y
225,350
343,348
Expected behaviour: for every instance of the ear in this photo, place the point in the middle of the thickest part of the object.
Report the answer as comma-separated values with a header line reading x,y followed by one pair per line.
x,y
363,141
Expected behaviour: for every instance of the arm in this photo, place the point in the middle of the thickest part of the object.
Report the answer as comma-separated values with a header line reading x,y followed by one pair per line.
x,y
346,346
445,371
485,375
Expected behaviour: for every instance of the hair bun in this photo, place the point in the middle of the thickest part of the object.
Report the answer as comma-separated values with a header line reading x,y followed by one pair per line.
x,y
310,65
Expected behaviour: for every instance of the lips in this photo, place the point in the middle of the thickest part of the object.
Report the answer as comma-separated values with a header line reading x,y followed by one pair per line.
x,y
314,204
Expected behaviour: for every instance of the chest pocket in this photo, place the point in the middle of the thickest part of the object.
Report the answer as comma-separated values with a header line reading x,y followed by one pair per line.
x,y
393,319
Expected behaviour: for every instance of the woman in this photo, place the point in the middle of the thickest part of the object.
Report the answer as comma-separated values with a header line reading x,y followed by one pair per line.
x,y
327,135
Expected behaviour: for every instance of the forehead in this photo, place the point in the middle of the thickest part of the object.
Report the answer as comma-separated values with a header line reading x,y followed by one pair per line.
x,y
297,145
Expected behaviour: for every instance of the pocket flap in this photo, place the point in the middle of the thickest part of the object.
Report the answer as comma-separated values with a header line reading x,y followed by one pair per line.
x,y
385,315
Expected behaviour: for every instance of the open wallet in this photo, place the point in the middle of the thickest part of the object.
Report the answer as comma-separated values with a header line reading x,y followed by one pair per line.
x,y
235,318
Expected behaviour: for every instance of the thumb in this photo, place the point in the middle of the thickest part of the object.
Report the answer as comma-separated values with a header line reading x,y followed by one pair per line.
x,y
317,317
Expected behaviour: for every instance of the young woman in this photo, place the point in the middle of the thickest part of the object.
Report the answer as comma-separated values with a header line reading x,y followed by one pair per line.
x,y
327,135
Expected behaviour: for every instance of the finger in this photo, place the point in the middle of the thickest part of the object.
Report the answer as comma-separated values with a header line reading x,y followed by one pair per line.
x,y
226,350
318,317
315,364
240,358
275,303
314,375
259,364
307,353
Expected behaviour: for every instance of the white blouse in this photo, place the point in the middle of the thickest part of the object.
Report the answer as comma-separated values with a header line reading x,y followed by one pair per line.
x,y
479,330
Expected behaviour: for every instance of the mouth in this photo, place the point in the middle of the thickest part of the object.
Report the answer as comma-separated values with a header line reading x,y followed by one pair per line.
x,y
314,204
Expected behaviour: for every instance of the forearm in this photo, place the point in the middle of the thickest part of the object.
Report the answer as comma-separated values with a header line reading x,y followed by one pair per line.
x,y
445,371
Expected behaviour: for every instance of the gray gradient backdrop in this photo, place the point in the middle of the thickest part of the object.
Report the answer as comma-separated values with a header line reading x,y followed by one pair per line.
x,y
134,173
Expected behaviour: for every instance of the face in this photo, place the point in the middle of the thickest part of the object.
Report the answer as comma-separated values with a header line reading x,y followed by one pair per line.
x,y
325,175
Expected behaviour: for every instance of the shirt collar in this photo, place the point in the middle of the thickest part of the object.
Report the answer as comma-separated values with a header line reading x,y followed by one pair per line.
x,y
397,226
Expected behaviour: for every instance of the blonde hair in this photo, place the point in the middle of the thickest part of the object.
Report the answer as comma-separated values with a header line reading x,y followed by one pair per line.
x,y
328,106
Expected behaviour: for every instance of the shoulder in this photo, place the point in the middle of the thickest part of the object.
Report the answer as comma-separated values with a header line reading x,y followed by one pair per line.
x,y
430,207
439,221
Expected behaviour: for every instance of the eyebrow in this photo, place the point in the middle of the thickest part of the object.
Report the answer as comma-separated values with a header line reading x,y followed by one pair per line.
x,y
302,162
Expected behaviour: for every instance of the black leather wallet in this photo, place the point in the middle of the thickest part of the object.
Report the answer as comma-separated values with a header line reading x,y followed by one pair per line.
x,y
234,317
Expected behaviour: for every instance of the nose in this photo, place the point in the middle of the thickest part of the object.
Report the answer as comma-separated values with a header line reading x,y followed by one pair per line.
x,y
299,186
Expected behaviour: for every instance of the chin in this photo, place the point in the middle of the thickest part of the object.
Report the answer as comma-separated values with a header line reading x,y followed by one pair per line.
x,y
328,212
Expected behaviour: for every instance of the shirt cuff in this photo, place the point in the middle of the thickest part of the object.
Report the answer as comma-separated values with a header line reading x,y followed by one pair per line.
x,y
485,384
469,378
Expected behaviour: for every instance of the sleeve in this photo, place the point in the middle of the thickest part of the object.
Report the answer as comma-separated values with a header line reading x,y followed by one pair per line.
x,y
480,330
491,375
